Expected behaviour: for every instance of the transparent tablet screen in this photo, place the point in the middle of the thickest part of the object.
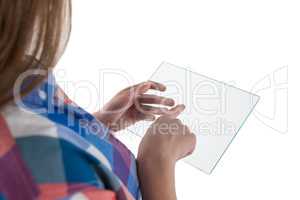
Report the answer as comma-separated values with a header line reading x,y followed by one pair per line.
x,y
215,111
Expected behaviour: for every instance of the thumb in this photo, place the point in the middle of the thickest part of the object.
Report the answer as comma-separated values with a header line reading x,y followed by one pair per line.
x,y
176,111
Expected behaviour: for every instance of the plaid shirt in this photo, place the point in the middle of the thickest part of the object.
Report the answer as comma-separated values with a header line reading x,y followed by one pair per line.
x,y
53,149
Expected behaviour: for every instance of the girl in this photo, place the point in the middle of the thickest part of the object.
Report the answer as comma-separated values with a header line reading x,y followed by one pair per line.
x,y
52,149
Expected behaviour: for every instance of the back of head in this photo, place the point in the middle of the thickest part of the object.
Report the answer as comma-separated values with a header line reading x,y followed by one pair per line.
x,y
33,34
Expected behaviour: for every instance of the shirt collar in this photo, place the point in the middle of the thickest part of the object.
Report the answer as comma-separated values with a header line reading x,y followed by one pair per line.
x,y
42,96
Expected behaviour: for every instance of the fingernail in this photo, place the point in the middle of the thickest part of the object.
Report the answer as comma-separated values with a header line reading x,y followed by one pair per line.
x,y
171,101
182,106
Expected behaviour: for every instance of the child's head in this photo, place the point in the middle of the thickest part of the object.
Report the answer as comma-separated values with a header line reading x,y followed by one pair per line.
x,y
33,33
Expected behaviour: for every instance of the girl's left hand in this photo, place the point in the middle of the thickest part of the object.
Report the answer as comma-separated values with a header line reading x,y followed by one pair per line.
x,y
129,106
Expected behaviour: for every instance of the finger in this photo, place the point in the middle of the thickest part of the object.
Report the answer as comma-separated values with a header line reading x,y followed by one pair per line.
x,y
145,86
154,110
146,117
176,111
149,117
157,86
155,99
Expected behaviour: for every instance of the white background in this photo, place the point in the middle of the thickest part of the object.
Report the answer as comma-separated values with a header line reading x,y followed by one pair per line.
x,y
235,41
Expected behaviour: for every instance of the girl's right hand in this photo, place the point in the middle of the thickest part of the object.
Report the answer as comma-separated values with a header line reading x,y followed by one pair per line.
x,y
167,140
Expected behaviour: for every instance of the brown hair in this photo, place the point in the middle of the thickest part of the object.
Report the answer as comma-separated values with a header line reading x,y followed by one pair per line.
x,y
33,34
